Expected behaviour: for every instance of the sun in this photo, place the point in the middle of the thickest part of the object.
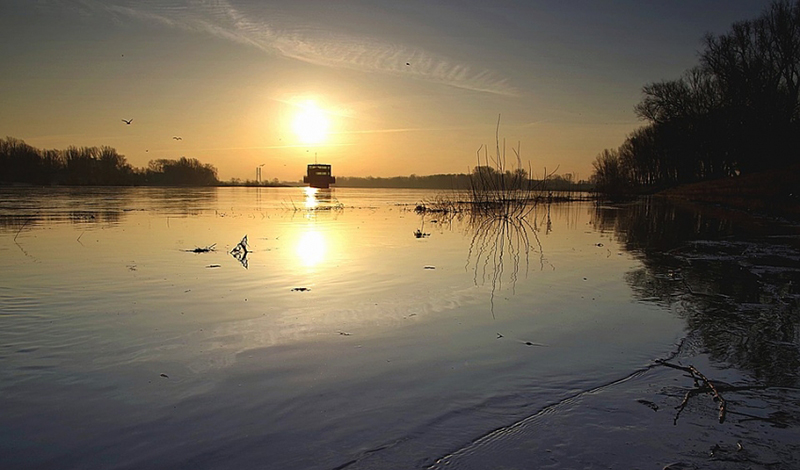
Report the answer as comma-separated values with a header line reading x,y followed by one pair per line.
x,y
310,123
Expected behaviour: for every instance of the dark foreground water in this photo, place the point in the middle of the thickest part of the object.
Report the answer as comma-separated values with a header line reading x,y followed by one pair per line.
x,y
134,333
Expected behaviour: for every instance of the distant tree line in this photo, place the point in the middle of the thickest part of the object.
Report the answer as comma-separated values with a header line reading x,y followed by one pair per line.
x,y
734,113
103,166
439,181
22,163
464,181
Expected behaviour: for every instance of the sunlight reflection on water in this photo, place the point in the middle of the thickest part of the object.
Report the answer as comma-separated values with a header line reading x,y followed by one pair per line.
x,y
311,248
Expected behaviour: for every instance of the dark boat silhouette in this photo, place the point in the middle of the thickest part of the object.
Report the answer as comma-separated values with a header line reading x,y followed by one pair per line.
x,y
318,175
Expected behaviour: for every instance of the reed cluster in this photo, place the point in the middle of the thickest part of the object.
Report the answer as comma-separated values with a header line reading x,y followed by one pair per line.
x,y
496,189
500,191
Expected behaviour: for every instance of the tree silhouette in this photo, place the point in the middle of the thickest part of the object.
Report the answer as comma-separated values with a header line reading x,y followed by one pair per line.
x,y
22,163
736,112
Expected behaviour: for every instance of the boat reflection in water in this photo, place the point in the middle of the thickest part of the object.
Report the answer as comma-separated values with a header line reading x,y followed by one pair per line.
x,y
319,199
312,242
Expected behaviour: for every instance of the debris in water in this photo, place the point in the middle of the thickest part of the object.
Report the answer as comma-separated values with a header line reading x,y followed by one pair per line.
x,y
165,376
420,234
680,466
344,333
499,336
240,251
707,387
204,249
300,289
648,404
430,267
240,247
714,450
214,266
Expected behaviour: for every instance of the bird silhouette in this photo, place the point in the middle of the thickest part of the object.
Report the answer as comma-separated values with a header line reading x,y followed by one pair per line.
x,y
176,138
128,121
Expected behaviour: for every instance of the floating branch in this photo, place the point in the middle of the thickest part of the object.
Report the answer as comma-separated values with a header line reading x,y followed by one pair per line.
x,y
706,387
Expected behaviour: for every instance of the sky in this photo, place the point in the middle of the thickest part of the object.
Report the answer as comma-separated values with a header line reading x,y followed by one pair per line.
x,y
375,88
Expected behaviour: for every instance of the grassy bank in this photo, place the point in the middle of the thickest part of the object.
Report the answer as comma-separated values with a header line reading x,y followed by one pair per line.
x,y
774,193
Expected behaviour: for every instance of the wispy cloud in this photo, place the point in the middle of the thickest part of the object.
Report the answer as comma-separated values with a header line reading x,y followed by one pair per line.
x,y
257,147
404,130
277,35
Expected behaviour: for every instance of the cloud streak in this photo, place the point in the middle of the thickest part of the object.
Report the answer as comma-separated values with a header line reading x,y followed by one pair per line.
x,y
403,130
220,18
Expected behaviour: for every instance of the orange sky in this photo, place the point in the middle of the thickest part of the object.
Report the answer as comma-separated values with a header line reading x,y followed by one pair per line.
x,y
409,87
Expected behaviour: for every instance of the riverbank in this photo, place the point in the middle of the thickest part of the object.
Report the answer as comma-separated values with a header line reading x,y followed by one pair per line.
x,y
774,193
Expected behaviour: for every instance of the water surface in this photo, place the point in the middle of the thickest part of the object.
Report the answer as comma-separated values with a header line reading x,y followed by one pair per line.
x,y
132,337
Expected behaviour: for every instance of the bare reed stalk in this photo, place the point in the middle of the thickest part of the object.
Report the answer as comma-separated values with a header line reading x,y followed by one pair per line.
x,y
496,190
501,191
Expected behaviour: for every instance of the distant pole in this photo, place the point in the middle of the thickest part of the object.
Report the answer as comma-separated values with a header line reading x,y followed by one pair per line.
x,y
258,172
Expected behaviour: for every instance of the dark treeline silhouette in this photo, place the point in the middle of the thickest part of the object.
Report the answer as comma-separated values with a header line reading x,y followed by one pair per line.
x,y
734,113
103,166
21,163
440,181
184,171
462,181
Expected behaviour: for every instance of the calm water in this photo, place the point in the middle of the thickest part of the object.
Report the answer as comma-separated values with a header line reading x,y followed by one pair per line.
x,y
132,334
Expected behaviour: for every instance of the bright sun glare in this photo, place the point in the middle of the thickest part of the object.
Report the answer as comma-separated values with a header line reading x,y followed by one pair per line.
x,y
311,248
310,124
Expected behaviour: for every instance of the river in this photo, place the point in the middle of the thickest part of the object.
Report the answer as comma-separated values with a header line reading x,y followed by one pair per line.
x,y
285,328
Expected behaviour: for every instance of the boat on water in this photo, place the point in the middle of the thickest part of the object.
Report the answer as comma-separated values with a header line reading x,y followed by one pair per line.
x,y
318,175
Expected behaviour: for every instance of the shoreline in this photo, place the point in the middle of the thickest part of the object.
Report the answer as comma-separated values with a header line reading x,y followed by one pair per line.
x,y
773,193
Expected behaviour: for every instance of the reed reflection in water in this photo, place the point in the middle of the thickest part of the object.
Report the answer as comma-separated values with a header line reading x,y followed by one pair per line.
x,y
497,241
502,237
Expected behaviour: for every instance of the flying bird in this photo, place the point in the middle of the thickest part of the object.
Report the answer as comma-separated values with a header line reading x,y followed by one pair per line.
x,y
128,121
176,138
